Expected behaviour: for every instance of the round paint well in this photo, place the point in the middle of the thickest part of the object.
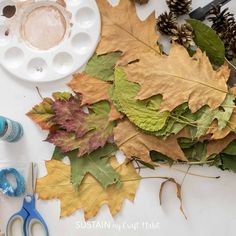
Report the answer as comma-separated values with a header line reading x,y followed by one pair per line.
x,y
81,43
44,27
85,17
37,68
63,62
14,57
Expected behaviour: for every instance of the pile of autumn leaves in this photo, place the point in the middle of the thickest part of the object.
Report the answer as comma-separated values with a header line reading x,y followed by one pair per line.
x,y
155,108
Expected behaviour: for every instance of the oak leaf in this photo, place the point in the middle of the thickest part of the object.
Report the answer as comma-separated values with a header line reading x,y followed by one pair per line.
x,y
180,78
123,31
217,146
91,195
135,143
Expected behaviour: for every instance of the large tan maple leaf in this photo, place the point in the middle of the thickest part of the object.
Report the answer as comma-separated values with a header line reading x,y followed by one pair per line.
x,y
135,143
180,78
91,195
93,90
123,31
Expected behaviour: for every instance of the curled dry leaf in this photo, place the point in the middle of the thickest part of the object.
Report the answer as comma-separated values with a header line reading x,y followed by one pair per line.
x,y
135,143
178,192
91,195
180,78
123,31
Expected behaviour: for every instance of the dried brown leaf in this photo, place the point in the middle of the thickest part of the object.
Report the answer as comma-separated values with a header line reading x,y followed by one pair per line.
x,y
123,31
135,143
180,78
93,90
217,146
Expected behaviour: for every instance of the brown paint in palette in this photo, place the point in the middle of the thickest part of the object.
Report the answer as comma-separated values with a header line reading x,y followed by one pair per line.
x,y
44,27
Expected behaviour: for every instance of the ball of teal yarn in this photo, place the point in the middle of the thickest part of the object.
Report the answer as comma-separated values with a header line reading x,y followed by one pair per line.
x,y
7,188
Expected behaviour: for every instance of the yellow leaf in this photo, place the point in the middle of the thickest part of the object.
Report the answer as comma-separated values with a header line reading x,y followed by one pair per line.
x,y
134,143
123,31
91,195
180,78
93,90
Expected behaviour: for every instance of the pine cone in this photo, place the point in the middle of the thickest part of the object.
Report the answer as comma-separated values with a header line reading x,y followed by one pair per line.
x,y
141,2
183,35
166,22
221,20
229,39
224,24
179,7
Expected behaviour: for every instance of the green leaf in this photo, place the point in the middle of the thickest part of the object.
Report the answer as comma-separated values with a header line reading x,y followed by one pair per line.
x,y
63,96
228,162
103,66
177,121
160,158
58,155
205,117
208,41
231,149
141,113
197,152
96,163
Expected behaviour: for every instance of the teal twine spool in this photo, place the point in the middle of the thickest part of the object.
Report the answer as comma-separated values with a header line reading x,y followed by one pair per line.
x,y
7,188
10,131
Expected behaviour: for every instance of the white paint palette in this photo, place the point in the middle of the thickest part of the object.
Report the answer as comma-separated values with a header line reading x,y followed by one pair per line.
x,y
78,42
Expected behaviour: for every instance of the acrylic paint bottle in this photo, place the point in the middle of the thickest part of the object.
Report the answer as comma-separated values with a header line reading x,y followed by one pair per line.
x,y
10,131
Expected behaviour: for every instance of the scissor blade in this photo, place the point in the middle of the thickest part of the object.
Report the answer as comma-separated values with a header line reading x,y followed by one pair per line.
x,y
201,12
32,177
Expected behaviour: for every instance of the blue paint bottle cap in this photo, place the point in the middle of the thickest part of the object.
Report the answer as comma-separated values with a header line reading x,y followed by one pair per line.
x,y
2,126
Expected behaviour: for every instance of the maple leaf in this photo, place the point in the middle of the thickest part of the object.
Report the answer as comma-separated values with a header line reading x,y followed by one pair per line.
x,y
71,116
96,163
91,195
80,130
102,67
123,31
138,112
92,90
43,113
134,143
180,78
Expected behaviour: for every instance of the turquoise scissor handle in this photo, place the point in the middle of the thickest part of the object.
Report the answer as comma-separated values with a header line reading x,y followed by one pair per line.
x,y
28,216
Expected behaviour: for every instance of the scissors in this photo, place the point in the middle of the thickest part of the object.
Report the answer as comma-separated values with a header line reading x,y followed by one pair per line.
x,y
28,215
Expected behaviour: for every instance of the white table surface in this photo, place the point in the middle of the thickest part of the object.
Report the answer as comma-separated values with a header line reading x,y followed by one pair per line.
x,y
210,204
